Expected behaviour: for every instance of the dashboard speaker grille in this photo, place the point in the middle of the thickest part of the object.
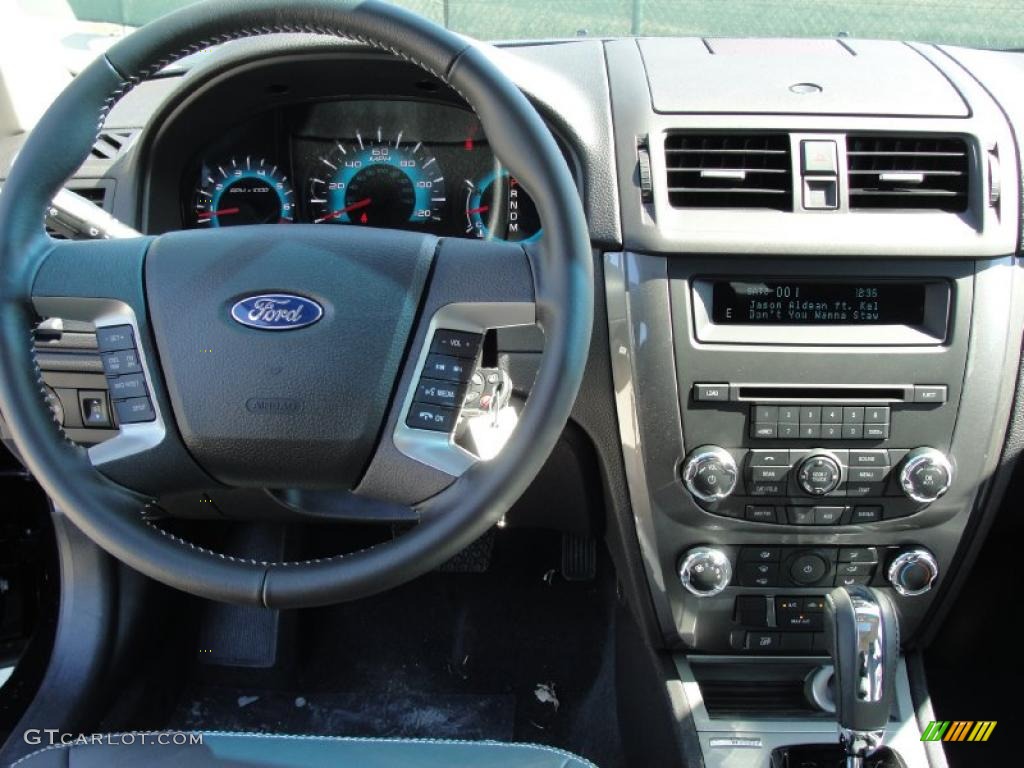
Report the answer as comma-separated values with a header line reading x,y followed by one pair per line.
x,y
907,172
728,170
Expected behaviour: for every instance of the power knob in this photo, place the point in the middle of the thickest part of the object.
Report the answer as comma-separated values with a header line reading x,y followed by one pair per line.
x,y
709,473
705,571
926,474
913,571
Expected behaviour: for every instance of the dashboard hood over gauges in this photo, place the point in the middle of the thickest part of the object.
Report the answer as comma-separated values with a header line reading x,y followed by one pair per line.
x,y
284,406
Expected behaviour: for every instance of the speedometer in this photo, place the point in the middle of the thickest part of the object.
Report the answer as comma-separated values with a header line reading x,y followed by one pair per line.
x,y
377,182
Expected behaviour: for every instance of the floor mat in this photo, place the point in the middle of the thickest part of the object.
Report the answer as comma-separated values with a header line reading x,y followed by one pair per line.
x,y
444,716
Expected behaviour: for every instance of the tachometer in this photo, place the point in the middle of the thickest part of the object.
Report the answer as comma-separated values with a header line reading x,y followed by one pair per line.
x,y
498,208
246,191
377,182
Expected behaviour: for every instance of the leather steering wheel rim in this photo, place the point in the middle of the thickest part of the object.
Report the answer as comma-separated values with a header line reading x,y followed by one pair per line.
x,y
563,286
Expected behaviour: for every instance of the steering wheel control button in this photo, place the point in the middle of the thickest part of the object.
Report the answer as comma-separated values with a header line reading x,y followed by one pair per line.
x,y
808,569
130,385
94,409
455,343
114,338
134,410
120,362
432,417
447,368
819,474
439,393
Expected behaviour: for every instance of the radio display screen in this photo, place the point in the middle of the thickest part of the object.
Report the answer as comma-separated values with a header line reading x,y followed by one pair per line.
x,y
810,302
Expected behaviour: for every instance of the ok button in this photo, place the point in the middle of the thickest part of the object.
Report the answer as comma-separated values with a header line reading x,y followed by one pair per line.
x,y
808,569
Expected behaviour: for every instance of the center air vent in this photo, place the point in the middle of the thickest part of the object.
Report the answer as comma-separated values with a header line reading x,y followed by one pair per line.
x,y
907,172
728,170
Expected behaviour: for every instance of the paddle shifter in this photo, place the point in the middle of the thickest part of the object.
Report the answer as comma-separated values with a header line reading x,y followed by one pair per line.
x,y
862,635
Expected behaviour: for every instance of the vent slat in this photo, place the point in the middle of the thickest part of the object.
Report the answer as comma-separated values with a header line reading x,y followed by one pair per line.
x,y
728,170
880,167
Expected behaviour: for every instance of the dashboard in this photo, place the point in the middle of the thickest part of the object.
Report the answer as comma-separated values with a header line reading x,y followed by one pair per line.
x,y
377,163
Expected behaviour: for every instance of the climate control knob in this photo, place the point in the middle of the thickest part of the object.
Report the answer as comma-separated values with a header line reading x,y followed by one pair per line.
x,y
705,571
926,474
819,474
913,571
709,473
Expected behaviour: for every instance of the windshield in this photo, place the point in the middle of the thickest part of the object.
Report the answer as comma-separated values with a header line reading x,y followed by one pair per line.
x,y
976,23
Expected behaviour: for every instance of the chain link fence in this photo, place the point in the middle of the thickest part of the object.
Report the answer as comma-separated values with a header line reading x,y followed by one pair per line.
x,y
978,23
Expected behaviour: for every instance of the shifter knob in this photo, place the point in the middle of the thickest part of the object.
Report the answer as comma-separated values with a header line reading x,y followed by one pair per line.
x,y
862,634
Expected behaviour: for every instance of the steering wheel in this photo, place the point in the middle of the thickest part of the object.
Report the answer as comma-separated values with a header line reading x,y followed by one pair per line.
x,y
310,406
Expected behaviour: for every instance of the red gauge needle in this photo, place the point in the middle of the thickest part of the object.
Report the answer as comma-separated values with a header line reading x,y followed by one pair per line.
x,y
481,209
335,214
221,212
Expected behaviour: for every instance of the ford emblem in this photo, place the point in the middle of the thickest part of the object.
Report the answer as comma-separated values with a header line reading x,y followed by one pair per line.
x,y
276,311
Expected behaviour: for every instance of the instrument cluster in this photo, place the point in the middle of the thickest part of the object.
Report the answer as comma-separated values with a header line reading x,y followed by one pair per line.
x,y
400,164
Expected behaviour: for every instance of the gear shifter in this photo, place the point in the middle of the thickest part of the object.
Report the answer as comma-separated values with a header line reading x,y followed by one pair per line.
x,y
862,634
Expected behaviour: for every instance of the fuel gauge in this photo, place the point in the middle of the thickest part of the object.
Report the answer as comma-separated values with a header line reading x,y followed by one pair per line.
x,y
498,208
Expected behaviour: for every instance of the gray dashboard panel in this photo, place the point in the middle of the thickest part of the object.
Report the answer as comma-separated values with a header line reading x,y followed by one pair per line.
x,y
752,75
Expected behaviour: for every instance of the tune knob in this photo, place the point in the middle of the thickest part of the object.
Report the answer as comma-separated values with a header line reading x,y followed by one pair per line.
x,y
926,475
819,474
709,473
705,571
913,571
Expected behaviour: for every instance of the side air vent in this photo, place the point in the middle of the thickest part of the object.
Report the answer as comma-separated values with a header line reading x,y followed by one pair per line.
x,y
111,144
907,172
728,170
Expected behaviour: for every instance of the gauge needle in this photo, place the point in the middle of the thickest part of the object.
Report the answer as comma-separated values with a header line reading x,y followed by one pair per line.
x,y
481,209
221,212
335,214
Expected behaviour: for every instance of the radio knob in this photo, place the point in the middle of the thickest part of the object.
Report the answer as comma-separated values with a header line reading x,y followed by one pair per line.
x,y
705,571
926,475
709,473
913,572
819,474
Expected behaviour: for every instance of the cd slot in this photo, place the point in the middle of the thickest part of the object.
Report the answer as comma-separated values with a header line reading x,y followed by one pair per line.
x,y
784,393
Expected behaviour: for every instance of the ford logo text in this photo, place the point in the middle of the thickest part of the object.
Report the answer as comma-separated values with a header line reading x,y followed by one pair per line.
x,y
276,311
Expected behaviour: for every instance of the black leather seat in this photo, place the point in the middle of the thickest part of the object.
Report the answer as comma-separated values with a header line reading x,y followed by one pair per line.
x,y
256,750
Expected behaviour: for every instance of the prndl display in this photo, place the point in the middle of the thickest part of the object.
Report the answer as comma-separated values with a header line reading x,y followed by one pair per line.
x,y
810,302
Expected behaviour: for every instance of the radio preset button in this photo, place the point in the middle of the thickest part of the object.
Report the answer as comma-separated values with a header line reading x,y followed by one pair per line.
x,y
853,431
810,414
789,414
831,414
766,413
876,415
853,414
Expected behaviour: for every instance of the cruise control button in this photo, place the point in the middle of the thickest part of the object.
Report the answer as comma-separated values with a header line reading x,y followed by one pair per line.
x,y
439,393
134,410
447,368
122,361
114,338
456,343
432,417
123,387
